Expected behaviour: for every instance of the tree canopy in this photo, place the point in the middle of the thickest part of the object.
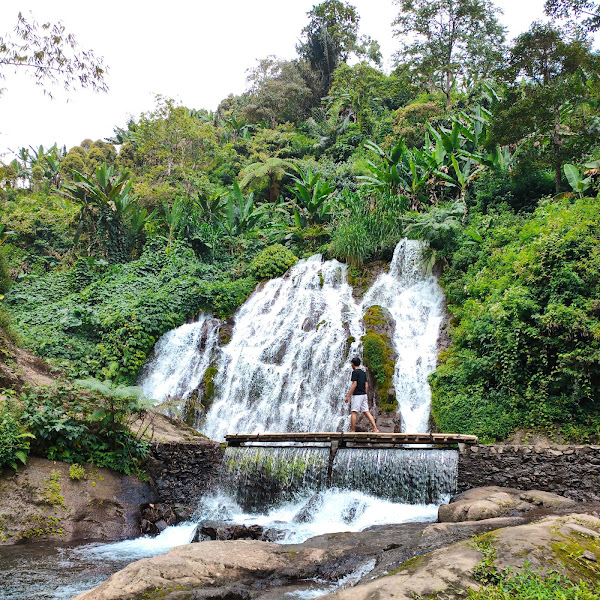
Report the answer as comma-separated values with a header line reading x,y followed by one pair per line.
x,y
449,41
51,55
586,10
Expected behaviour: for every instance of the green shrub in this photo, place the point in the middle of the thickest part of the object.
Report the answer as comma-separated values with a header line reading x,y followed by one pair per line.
x,y
5,280
76,472
526,326
102,321
272,262
78,426
14,439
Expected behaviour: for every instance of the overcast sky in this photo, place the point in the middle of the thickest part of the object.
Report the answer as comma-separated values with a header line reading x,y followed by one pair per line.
x,y
195,52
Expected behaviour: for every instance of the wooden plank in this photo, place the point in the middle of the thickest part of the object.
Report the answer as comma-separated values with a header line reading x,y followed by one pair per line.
x,y
352,437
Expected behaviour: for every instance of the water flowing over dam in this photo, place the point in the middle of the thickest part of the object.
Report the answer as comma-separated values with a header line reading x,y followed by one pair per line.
x,y
299,492
285,367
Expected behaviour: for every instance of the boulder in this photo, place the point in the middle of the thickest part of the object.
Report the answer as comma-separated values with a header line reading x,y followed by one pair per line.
x,y
209,570
491,502
554,543
224,530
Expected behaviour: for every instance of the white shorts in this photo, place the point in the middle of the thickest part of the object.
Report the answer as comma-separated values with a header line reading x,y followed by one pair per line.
x,y
359,403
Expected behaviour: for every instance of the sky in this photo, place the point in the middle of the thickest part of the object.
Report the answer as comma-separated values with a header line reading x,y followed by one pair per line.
x,y
194,52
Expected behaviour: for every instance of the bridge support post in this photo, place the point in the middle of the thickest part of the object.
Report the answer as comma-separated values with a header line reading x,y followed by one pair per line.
x,y
333,448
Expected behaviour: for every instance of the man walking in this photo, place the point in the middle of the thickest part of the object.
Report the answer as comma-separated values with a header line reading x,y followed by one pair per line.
x,y
358,393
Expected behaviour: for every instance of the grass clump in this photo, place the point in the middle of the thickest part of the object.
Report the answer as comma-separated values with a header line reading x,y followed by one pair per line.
x,y
529,585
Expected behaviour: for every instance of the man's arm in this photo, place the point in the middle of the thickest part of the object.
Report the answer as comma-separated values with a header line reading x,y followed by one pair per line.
x,y
367,387
352,388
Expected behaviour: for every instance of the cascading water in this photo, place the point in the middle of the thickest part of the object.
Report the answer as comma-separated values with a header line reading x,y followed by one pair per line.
x,y
413,476
416,302
261,477
180,359
285,366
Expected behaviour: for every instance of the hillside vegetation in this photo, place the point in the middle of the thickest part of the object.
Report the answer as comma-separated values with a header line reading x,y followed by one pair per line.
x,y
485,149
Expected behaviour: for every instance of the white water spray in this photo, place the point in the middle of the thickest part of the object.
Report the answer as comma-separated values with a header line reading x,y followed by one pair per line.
x,y
180,359
285,367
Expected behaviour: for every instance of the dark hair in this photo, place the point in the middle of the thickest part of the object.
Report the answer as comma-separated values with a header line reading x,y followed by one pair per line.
x,y
356,361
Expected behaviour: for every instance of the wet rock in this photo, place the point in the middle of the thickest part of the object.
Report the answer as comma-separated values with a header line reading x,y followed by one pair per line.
x,y
352,512
309,510
224,530
441,573
195,570
410,560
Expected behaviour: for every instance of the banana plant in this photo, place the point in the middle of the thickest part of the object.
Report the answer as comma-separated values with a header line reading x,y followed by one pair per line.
x,y
210,209
312,197
241,214
579,184
387,177
173,217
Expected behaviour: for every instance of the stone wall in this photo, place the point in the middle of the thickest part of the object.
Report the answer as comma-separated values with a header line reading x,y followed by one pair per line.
x,y
183,472
571,471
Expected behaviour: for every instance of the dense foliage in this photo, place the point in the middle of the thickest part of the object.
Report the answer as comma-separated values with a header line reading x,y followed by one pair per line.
x,y
72,424
14,439
484,150
526,307
101,320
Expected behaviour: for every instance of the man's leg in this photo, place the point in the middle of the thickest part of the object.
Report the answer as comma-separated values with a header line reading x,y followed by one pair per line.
x,y
371,420
353,421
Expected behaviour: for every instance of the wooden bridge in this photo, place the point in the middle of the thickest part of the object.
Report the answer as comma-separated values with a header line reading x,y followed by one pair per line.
x,y
352,439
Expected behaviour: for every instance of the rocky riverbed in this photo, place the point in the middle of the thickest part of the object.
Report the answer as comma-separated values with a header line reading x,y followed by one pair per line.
x,y
394,561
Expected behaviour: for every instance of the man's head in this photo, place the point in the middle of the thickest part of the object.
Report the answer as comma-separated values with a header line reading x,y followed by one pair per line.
x,y
355,362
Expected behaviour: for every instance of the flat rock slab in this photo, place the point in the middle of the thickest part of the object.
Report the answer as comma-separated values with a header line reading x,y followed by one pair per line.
x,y
211,565
256,570
552,543
491,502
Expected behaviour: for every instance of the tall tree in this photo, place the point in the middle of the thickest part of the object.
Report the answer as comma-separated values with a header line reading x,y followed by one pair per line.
x,y
547,76
51,55
330,37
449,41
278,92
586,10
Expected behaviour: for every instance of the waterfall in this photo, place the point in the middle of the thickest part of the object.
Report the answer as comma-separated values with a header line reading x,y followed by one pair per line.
x,y
285,366
180,359
416,302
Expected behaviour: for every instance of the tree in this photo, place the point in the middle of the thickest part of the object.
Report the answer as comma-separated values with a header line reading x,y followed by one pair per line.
x,y
272,169
546,76
586,9
51,55
278,93
330,37
110,211
449,41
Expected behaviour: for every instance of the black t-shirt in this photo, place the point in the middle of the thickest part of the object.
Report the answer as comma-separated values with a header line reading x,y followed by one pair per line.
x,y
360,377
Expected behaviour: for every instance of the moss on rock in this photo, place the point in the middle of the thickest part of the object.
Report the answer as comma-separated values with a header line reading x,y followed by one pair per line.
x,y
379,356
